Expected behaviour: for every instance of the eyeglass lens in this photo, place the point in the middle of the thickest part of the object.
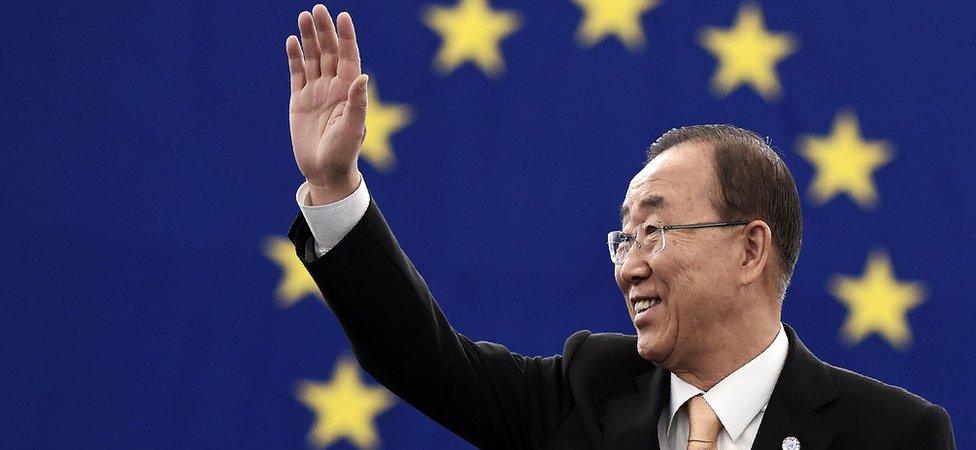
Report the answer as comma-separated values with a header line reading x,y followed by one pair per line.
x,y
649,242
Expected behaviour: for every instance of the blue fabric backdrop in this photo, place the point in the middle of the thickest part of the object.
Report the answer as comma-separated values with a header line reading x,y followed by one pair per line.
x,y
148,181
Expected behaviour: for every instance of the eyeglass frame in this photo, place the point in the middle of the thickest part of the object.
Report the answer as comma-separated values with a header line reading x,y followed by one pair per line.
x,y
662,229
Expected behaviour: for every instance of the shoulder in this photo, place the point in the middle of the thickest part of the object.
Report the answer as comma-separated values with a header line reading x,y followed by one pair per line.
x,y
603,361
588,349
864,400
861,389
863,411
843,391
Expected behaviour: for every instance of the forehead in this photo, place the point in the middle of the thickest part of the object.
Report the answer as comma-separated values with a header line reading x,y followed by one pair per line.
x,y
676,181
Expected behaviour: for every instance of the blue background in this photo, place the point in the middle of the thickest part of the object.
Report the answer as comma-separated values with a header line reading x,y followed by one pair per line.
x,y
146,158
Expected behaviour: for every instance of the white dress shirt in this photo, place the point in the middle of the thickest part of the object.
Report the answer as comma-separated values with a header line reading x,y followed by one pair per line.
x,y
739,400
330,223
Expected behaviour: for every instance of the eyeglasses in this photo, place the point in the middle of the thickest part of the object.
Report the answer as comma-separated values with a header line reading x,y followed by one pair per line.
x,y
650,238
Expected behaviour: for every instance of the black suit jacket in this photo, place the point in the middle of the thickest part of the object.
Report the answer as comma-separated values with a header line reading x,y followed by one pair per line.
x,y
598,394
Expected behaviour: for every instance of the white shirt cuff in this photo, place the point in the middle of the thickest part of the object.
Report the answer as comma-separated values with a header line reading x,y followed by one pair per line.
x,y
330,223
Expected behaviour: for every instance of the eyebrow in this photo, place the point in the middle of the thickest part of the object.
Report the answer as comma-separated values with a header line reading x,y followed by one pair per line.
x,y
651,201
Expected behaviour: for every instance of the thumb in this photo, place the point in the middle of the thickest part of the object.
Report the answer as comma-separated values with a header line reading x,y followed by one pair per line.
x,y
355,110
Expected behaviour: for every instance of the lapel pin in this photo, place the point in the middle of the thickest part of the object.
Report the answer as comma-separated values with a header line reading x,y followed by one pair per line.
x,y
791,443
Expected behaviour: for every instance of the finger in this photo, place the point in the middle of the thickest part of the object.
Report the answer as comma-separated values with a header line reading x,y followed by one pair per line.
x,y
355,109
326,34
295,65
310,46
348,67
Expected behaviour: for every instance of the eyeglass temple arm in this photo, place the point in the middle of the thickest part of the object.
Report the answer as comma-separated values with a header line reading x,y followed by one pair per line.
x,y
705,225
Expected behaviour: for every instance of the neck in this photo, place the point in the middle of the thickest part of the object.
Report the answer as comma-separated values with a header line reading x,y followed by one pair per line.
x,y
733,352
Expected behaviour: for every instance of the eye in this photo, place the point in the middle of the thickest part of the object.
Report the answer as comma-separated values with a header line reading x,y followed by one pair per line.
x,y
650,229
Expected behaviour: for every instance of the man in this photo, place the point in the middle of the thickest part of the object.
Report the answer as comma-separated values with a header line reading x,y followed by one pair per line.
x,y
710,235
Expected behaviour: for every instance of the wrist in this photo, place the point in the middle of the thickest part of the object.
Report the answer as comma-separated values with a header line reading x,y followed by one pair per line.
x,y
334,190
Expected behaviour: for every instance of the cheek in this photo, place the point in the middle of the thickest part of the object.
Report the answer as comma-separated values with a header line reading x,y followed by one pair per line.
x,y
690,288
623,289
706,272
620,282
685,279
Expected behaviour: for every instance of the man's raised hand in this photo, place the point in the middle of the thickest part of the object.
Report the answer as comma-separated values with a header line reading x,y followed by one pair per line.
x,y
327,109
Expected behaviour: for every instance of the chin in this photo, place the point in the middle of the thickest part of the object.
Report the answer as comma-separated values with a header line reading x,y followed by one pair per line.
x,y
650,348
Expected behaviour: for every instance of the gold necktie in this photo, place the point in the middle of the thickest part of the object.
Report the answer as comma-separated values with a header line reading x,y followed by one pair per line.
x,y
703,425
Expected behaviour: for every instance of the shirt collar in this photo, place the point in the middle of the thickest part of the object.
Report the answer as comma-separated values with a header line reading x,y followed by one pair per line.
x,y
740,396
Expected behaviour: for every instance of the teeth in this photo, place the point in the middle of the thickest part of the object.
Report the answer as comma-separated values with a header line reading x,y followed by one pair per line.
x,y
644,305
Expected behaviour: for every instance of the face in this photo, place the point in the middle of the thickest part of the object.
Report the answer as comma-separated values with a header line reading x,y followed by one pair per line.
x,y
691,282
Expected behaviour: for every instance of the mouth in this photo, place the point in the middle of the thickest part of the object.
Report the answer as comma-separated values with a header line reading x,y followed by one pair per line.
x,y
643,304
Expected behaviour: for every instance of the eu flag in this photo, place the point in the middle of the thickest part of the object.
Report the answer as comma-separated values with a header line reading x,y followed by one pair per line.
x,y
151,299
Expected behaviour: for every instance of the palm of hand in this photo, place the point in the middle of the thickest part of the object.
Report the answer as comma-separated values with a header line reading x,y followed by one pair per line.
x,y
320,141
327,108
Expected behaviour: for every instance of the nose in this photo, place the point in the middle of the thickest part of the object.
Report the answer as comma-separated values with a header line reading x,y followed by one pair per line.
x,y
635,269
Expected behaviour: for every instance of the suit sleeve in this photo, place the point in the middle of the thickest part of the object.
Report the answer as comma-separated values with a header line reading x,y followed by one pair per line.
x,y
932,430
486,394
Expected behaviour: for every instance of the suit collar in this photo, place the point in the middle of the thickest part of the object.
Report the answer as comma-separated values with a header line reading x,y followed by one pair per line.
x,y
631,421
804,386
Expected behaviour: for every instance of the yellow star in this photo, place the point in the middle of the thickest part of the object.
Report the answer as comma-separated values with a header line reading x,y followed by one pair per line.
x,y
382,120
344,407
844,162
471,31
620,18
296,283
747,53
877,302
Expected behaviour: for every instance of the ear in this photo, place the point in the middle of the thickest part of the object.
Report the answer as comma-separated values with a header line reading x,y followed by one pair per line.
x,y
757,247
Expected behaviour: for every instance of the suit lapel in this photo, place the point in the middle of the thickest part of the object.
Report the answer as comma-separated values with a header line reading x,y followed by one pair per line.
x,y
632,420
804,386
